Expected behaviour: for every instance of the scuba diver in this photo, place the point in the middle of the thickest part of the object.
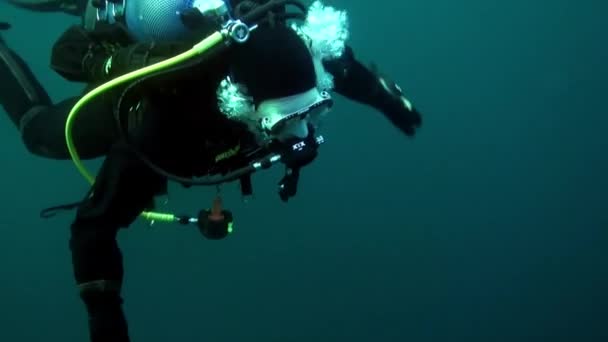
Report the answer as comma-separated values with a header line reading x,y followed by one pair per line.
x,y
41,122
251,94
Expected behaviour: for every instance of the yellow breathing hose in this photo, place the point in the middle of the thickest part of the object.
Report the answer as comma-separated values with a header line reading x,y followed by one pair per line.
x,y
198,49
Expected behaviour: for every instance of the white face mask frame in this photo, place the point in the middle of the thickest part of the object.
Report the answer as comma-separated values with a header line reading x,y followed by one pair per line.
x,y
275,115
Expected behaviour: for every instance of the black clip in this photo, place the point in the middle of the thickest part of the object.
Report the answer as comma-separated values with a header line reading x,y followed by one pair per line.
x,y
246,186
288,186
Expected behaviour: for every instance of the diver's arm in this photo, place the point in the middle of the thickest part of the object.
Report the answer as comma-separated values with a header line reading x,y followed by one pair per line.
x,y
358,83
105,53
72,7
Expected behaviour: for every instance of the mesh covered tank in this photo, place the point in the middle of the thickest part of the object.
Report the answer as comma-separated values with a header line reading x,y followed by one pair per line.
x,y
160,19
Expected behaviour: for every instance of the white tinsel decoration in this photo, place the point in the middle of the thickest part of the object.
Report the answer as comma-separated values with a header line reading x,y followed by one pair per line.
x,y
326,30
232,100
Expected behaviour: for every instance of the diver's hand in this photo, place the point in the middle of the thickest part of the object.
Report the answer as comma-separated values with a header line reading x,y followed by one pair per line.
x,y
368,86
4,26
139,55
192,18
198,25
398,109
114,34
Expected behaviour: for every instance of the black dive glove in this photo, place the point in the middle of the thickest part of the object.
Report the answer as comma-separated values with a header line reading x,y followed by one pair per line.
x,y
106,52
116,54
361,84
136,56
396,107
4,26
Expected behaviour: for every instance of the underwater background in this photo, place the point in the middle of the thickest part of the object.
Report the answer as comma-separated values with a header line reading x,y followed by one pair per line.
x,y
490,225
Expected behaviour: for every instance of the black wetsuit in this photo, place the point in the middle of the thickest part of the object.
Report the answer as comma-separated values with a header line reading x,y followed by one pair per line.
x,y
182,129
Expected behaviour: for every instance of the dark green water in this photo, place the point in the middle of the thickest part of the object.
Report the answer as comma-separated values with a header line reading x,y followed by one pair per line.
x,y
489,226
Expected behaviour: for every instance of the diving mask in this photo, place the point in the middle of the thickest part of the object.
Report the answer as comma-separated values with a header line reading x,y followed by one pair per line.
x,y
290,117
